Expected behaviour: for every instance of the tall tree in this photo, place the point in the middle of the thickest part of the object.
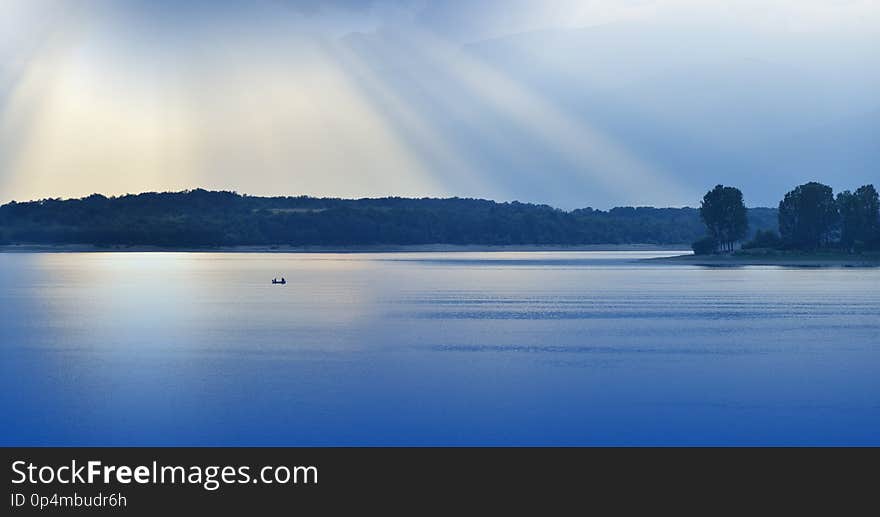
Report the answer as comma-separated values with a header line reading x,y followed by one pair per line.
x,y
725,216
859,217
807,216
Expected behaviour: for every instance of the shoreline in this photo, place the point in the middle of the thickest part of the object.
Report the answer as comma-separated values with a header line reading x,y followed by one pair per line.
x,y
404,248
806,260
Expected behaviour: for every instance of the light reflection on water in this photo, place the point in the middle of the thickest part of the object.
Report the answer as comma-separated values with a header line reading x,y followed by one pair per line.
x,y
537,348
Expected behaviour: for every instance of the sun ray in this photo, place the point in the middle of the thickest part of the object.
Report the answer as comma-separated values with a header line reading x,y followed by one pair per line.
x,y
447,163
595,156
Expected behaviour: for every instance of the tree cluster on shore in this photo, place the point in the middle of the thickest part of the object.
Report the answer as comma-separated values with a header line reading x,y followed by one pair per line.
x,y
200,218
810,218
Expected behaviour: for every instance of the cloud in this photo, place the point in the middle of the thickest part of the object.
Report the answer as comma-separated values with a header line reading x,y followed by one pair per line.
x,y
503,99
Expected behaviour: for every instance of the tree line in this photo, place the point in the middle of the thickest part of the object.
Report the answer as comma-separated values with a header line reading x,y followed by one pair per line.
x,y
810,218
201,218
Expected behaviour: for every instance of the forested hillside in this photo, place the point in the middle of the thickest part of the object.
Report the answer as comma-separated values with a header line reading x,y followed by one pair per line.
x,y
207,218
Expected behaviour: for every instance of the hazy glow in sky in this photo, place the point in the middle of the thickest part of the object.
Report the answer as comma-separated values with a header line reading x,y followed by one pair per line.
x,y
572,103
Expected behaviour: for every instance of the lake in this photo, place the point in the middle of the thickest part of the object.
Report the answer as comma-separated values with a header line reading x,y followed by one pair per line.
x,y
505,348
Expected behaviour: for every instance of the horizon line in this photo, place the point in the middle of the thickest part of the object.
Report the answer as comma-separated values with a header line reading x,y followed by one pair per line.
x,y
365,198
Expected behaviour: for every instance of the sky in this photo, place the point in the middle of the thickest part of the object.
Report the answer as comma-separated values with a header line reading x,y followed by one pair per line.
x,y
572,103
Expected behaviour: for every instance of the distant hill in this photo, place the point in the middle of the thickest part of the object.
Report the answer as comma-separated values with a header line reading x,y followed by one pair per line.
x,y
207,218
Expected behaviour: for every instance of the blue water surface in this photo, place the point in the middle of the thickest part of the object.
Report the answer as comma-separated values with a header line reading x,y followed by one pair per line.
x,y
531,348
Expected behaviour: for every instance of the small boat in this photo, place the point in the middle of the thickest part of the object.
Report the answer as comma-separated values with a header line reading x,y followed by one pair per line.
x,y
276,281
